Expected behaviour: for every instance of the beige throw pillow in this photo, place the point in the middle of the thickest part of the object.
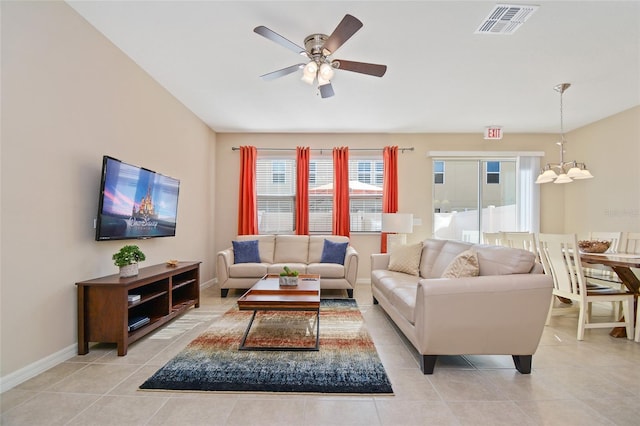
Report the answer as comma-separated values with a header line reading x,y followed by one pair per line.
x,y
406,259
464,265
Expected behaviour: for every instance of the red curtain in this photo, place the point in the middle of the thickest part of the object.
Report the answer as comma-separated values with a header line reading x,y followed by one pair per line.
x,y
341,191
389,187
302,190
247,195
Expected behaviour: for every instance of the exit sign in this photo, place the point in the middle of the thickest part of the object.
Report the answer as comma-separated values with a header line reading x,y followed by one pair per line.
x,y
493,132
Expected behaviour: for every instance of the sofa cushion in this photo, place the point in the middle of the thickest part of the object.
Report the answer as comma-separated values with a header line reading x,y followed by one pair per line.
x,y
265,245
448,252
316,245
403,298
326,270
248,270
386,281
406,259
430,251
246,251
333,252
463,265
500,260
292,249
276,268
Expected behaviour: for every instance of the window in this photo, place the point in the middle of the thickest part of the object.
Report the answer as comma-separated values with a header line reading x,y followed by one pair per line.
x,y
321,195
438,172
365,195
276,189
278,172
312,173
493,172
485,195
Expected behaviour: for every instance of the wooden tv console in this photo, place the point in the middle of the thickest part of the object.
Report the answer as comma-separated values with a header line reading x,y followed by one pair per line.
x,y
104,311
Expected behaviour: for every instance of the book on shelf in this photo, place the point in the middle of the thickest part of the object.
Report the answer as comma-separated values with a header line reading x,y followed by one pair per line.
x,y
133,298
137,322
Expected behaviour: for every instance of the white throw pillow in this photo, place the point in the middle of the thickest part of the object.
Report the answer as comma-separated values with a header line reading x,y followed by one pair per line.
x,y
464,265
406,259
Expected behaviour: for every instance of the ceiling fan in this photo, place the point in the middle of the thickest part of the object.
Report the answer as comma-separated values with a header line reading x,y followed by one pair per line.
x,y
319,48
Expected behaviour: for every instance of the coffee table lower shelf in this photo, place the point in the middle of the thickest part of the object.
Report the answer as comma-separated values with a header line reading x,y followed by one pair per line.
x,y
244,347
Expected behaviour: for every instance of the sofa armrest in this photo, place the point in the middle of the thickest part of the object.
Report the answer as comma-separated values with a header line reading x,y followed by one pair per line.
x,y
351,265
502,314
380,261
224,260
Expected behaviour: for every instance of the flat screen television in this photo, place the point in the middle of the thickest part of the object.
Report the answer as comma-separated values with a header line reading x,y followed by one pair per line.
x,y
135,203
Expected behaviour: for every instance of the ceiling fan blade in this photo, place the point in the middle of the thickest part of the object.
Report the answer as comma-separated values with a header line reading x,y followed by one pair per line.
x,y
280,73
343,32
273,36
361,67
326,90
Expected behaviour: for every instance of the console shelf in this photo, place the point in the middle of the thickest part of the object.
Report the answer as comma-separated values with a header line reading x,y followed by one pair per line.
x,y
104,310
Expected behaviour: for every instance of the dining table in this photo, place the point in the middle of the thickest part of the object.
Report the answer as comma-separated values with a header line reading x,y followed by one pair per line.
x,y
621,264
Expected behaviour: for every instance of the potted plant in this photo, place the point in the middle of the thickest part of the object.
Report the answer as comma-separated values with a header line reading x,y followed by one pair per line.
x,y
288,277
127,259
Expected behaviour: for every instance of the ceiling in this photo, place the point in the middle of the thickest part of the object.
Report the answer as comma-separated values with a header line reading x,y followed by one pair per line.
x,y
441,76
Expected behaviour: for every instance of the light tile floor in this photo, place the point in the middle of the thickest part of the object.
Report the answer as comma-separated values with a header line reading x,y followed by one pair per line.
x,y
593,382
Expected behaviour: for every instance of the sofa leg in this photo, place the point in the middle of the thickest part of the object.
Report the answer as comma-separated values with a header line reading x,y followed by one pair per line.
x,y
375,301
428,363
523,363
350,293
224,292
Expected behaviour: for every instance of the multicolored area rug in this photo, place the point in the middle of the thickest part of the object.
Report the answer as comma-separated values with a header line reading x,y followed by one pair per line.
x,y
347,361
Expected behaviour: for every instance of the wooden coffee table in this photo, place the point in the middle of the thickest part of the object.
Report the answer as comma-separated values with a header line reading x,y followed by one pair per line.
x,y
268,295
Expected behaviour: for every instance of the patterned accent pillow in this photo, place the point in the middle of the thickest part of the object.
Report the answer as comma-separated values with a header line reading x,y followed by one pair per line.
x,y
246,251
464,265
406,259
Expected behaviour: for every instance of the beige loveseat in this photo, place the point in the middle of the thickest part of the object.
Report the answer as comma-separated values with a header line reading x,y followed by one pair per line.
x,y
302,253
500,312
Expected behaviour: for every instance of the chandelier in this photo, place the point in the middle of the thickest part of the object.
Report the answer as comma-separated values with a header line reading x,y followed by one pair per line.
x,y
564,171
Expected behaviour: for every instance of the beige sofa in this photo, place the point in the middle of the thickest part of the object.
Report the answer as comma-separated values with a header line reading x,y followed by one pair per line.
x,y
299,252
500,312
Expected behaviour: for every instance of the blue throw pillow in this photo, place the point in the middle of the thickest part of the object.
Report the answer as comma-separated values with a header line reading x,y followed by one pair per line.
x,y
333,252
246,251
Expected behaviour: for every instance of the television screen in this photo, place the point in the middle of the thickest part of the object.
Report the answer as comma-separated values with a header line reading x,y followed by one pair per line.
x,y
135,202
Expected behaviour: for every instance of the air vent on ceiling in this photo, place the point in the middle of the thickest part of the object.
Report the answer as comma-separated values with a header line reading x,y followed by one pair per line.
x,y
505,19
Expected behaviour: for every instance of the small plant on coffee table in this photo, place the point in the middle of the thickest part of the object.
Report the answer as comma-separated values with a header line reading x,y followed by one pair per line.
x,y
288,277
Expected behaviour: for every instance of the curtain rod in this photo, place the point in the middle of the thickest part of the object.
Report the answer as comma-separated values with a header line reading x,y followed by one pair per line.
x,y
235,148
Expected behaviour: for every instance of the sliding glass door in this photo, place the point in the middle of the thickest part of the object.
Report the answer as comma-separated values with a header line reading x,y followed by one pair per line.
x,y
472,196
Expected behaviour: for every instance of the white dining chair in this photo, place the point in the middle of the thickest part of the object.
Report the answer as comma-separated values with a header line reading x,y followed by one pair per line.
x,y
492,238
523,240
630,243
561,259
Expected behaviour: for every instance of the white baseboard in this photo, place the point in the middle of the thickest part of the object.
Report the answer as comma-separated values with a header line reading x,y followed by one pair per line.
x,y
363,281
209,283
12,380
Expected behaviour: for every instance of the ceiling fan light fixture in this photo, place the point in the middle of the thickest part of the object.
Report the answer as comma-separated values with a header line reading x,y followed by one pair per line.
x,y
309,72
326,71
322,81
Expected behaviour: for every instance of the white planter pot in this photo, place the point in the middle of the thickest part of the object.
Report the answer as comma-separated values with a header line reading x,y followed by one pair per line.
x,y
129,270
288,281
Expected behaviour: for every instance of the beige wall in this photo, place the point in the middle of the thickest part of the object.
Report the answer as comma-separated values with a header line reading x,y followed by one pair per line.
x,y
610,201
69,97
